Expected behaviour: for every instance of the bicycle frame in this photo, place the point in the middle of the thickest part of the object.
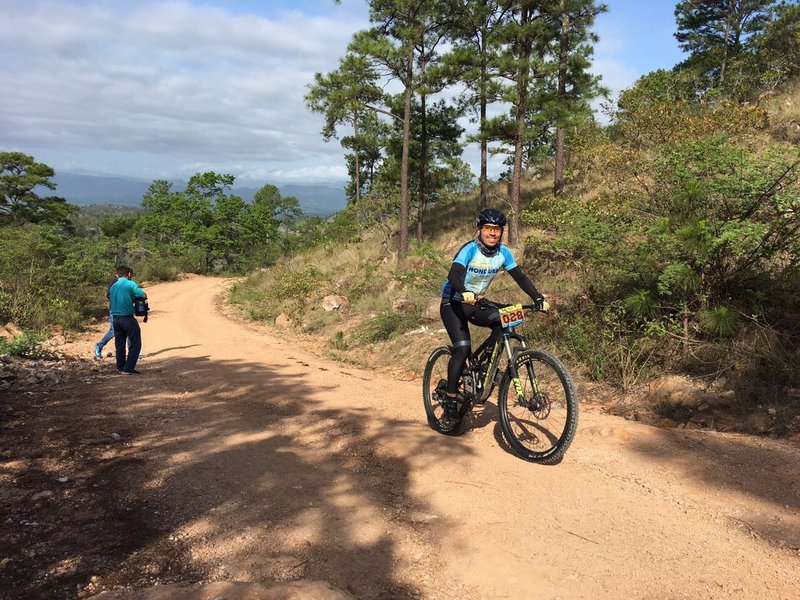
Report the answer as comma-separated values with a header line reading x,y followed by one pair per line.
x,y
499,338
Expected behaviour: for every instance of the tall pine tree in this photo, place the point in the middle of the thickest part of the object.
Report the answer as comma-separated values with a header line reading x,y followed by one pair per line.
x,y
715,32
344,96
575,85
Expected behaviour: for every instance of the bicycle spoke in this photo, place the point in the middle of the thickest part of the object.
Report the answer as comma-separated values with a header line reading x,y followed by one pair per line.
x,y
434,387
539,425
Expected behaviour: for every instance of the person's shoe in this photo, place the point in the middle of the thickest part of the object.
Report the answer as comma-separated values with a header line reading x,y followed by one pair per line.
x,y
451,407
134,372
98,352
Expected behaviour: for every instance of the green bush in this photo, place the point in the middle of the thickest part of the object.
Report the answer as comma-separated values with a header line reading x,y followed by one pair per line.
x,y
251,296
28,345
426,268
383,326
337,341
265,294
158,268
296,284
48,277
720,322
363,283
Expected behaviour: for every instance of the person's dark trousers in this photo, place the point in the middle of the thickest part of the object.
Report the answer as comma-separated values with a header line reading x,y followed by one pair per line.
x,y
127,328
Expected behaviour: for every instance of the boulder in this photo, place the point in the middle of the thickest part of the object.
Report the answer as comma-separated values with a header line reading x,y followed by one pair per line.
x,y
401,305
676,390
10,331
330,303
432,310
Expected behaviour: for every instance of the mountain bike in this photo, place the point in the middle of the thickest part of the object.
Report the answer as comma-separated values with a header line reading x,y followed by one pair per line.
x,y
536,399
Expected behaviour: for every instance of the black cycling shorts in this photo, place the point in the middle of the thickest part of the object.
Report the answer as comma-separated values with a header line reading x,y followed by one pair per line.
x,y
457,315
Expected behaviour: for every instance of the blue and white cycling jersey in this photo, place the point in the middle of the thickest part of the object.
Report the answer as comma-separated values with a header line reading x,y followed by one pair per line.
x,y
481,269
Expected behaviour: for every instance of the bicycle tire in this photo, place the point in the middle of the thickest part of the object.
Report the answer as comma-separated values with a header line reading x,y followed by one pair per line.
x,y
542,428
433,380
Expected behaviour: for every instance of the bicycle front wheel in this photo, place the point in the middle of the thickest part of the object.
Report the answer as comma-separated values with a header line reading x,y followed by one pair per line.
x,y
434,388
538,419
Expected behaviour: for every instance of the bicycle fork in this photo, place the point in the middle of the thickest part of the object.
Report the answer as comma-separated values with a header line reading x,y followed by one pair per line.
x,y
514,372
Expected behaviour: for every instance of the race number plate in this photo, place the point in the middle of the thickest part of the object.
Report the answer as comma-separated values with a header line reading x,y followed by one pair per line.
x,y
511,316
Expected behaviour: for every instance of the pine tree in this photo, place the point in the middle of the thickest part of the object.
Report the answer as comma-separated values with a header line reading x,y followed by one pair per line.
x,y
391,45
525,34
344,96
715,32
575,86
473,63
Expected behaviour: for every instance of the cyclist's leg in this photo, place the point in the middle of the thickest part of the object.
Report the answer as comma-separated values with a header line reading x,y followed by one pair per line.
x,y
455,322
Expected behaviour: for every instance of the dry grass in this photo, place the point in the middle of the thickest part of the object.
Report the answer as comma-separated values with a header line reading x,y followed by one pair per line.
x,y
784,115
391,320
366,273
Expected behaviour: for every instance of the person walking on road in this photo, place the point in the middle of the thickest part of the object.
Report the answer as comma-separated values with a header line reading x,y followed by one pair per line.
x,y
109,335
126,327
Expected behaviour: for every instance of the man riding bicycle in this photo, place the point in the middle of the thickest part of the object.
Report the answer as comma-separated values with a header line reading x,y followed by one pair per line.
x,y
474,267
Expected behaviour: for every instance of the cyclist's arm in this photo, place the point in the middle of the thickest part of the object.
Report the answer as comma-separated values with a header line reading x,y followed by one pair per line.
x,y
456,277
524,283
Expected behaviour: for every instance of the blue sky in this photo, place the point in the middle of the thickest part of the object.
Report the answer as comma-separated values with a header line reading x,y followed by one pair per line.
x,y
164,89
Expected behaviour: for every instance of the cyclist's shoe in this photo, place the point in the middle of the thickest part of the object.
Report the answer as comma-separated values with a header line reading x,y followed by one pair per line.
x,y
451,406
98,352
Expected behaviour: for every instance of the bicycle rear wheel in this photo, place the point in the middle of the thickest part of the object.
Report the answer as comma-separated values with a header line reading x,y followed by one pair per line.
x,y
539,426
434,388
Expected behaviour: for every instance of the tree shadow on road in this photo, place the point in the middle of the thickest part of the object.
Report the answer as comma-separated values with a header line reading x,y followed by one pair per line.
x,y
196,476
765,470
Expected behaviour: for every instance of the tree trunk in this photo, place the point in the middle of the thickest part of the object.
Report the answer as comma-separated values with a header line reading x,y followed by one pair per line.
x,y
357,165
422,170
728,18
402,249
484,201
519,134
516,179
560,163
560,159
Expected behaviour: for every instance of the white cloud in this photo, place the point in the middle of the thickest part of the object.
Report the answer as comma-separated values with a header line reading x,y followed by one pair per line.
x,y
164,88
315,174
193,85
610,59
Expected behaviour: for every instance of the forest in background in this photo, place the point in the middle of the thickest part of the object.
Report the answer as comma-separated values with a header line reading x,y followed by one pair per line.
x,y
668,235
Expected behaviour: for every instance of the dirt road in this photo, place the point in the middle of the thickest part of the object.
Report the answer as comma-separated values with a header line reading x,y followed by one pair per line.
x,y
243,458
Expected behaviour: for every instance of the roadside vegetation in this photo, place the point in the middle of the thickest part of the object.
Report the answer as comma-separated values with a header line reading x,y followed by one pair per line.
x,y
666,238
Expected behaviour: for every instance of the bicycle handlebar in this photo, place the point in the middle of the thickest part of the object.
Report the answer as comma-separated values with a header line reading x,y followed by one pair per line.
x,y
484,303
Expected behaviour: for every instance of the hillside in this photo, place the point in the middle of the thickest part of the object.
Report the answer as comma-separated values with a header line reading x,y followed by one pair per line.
x,y
623,258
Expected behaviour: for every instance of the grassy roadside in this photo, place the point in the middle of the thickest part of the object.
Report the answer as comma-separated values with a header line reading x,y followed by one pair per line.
x,y
387,319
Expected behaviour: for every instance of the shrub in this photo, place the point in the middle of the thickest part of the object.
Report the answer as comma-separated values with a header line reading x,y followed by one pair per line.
x,y
28,345
48,277
720,322
296,284
337,341
158,268
382,327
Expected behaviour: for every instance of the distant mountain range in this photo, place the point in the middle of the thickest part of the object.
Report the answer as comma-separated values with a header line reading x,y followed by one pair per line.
x,y
84,190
